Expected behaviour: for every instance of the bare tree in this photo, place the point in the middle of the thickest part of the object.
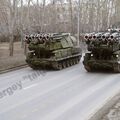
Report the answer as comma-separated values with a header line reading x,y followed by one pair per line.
x,y
12,21
71,15
56,16
43,16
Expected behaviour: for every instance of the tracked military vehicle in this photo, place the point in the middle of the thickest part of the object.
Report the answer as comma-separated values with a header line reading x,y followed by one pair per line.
x,y
103,51
56,51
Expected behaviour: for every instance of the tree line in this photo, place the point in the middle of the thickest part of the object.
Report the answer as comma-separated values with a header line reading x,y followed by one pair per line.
x,y
20,17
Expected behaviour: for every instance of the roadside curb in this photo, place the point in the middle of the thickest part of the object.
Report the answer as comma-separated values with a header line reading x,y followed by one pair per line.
x,y
13,68
105,109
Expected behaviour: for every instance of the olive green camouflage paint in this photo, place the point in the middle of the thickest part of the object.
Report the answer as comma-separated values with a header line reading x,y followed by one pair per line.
x,y
104,51
55,51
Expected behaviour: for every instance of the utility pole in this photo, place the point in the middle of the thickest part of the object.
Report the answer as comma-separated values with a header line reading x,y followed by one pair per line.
x,y
78,28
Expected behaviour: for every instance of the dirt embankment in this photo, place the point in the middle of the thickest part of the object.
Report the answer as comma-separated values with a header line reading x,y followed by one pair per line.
x,y
7,62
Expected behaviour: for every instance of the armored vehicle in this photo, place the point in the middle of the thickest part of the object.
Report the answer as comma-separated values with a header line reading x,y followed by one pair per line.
x,y
103,51
55,50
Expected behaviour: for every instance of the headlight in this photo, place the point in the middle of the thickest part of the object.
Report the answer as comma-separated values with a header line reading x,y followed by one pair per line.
x,y
117,56
91,55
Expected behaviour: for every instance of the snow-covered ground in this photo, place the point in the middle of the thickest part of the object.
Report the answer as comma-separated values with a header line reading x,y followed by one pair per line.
x,y
69,94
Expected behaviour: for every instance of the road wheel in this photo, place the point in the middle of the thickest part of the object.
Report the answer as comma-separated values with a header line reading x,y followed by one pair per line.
x,y
71,62
76,60
59,66
33,67
88,68
68,63
64,64
117,68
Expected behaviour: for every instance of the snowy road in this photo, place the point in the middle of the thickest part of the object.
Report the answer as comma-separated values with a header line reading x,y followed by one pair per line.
x,y
69,94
